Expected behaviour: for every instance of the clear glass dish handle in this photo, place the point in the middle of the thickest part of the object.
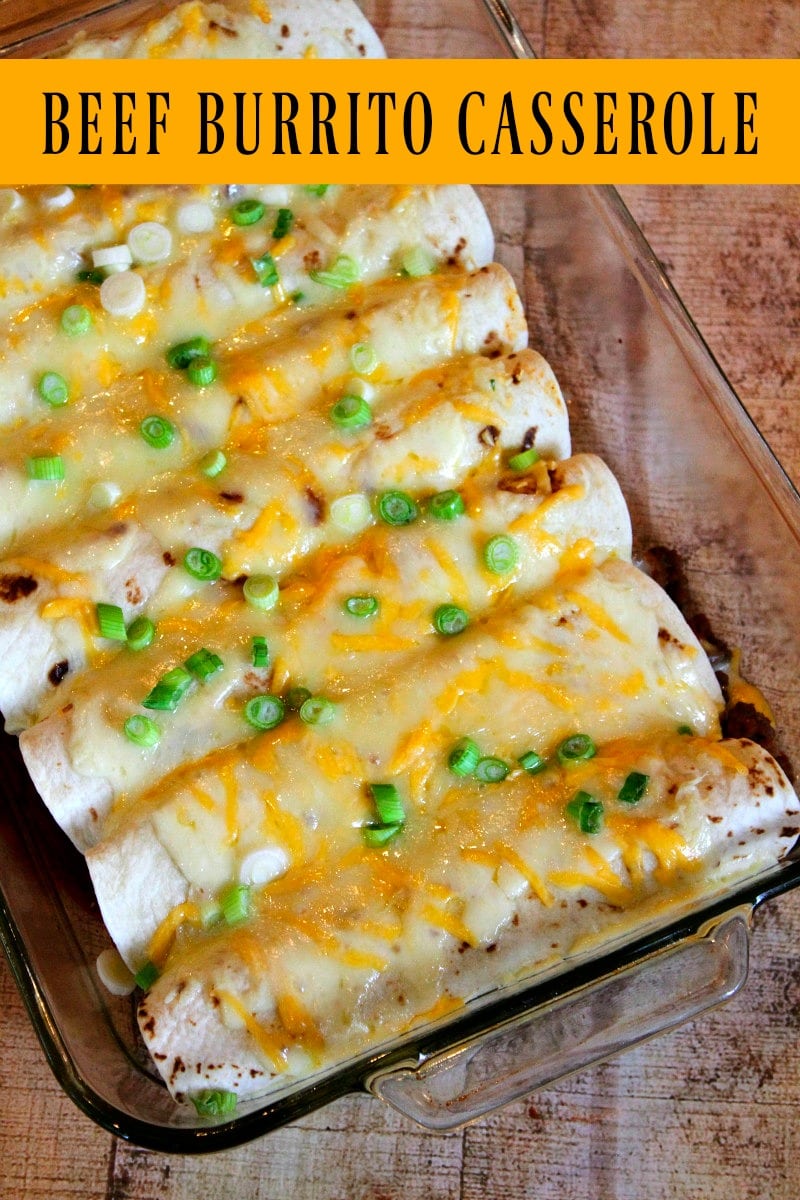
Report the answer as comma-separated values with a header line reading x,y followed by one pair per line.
x,y
579,1030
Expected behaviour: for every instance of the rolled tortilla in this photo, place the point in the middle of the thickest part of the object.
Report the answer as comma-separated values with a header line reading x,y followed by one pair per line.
x,y
327,968
311,639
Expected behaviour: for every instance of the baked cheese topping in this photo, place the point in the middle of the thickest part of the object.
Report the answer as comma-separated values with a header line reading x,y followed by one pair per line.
x,y
321,644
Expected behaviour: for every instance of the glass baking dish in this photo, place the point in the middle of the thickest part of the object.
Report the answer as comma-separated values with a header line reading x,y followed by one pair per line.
x,y
645,393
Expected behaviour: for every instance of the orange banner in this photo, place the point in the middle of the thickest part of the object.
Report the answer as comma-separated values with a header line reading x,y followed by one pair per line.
x,y
401,121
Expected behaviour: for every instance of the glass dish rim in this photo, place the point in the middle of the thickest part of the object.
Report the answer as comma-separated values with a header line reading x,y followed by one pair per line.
x,y
527,998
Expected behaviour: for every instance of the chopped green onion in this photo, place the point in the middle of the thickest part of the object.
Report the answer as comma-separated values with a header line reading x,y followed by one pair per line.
x,y
214,1103
76,320
235,903
361,606
266,271
446,506
501,554
342,274
532,762
450,619
141,633
523,460
296,697
316,189
464,757
351,412
686,730
260,657
363,358
491,770
202,564
586,812
247,212
283,223
142,731
158,432
297,297
378,835
182,353
317,710
633,788
53,389
576,748
418,261
169,691
388,803
91,275
146,975
213,463
261,591
48,468
111,622
203,664
397,508
264,711
210,913
201,371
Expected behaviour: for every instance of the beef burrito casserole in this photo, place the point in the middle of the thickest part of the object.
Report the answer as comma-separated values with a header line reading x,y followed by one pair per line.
x,y
321,645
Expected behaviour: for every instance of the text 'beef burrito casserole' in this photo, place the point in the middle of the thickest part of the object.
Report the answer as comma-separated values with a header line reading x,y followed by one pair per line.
x,y
320,644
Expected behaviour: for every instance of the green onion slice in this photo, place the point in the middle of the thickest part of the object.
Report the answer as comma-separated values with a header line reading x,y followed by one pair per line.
x,y
523,460
76,320
446,506
351,412
213,463
397,508
261,591
182,353
344,272
266,271
633,788
576,748
260,656
296,697
203,664
501,554
142,731
235,903
91,275
141,632
363,358
214,1102
247,212
418,261
283,223
317,710
450,619
586,812
316,189
378,835
532,762
201,371
361,606
685,730
202,564
169,691
158,432
53,389
264,711
491,770
111,622
48,468
464,757
146,975
388,804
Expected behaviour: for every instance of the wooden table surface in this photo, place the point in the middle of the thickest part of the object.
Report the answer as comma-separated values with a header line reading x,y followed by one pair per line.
x,y
707,1113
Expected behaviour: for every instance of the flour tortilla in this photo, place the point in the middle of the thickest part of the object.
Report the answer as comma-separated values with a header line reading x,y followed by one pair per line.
x,y
748,817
